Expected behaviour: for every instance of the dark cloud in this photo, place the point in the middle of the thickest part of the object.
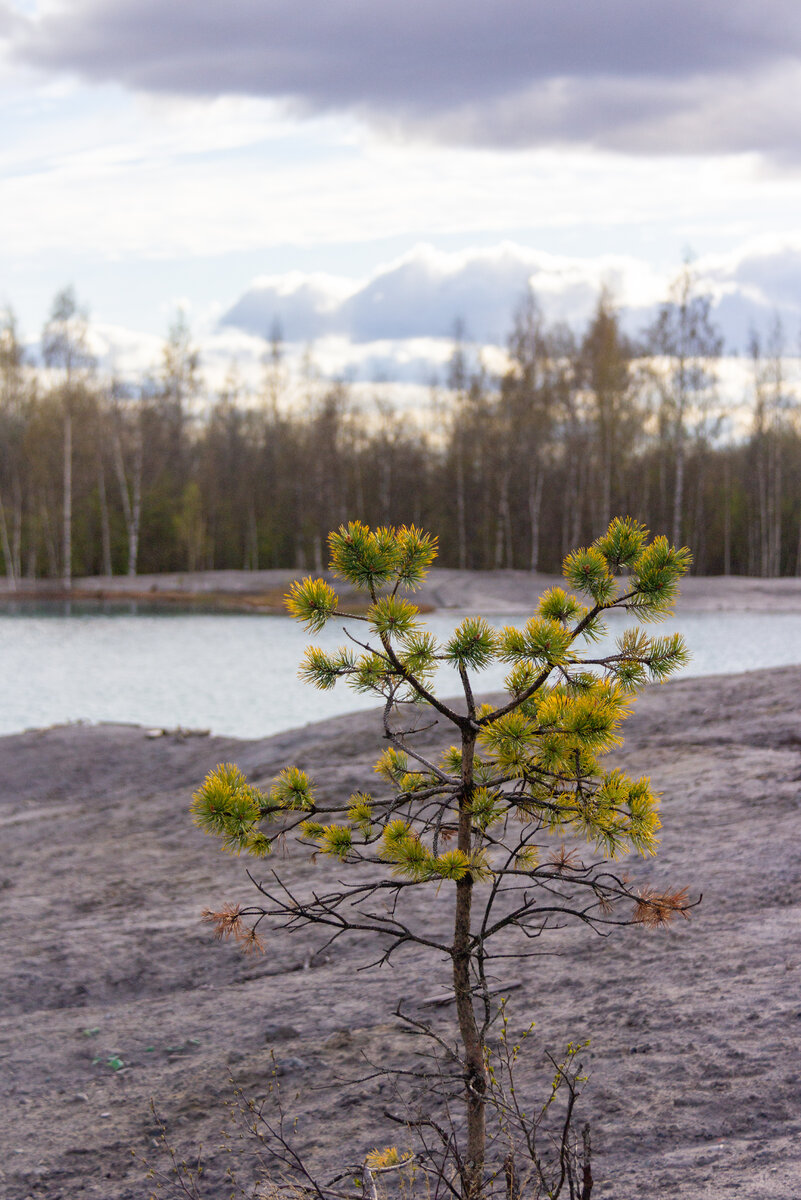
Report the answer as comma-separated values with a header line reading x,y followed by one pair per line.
x,y
624,73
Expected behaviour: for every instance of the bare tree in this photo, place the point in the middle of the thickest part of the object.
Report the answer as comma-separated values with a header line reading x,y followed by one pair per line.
x,y
685,344
773,411
65,350
606,368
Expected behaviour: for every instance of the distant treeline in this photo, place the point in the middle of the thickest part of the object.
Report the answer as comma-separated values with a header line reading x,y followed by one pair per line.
x,y
509,471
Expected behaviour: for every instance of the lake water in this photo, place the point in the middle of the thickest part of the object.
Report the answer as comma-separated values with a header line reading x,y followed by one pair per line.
x,y
237,674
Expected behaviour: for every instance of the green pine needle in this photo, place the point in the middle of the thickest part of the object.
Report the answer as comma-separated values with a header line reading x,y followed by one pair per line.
x,y
472,644
312,601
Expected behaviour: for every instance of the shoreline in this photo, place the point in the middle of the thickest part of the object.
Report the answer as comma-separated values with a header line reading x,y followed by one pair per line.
x,y
502,592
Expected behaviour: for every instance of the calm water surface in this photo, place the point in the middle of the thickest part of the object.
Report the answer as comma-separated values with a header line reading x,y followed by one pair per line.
x,y
238,674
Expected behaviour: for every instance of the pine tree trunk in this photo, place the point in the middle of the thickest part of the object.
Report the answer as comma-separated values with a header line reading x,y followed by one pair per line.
x,y
473,1050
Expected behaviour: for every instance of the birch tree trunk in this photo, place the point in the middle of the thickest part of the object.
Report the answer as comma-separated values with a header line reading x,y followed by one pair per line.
x,y
461,515
6,545
726,515
678,489
536,480
49,539
105,532
66,573
502,533
16,547
130,495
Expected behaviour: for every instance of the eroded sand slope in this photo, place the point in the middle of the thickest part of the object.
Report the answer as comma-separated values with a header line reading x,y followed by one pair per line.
x,y
695,1070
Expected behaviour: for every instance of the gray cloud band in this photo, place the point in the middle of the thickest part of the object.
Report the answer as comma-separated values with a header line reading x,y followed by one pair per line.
x,y
683,75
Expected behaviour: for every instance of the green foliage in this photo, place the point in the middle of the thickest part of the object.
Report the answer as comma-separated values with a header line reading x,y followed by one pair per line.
x,y
292,789
393,616
486,808
360,812
393,765
453,865
537,755
473,644
541,641
370,559
323,670
227,805
587,570
418,654
622,544
557,605
312,601
657,571
336,840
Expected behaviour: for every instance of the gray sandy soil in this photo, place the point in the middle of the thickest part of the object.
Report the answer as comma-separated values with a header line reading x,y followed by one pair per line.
x,y
694,1063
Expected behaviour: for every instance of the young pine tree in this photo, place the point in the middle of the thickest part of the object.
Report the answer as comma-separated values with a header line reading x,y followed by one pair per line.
x,y
489,828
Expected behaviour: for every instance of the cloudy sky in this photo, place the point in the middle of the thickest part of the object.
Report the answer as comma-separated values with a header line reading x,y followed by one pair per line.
x,y
370,172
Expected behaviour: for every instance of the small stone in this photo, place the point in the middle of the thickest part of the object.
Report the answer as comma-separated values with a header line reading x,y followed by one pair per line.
x,y
339,1040
280,1033
285,1065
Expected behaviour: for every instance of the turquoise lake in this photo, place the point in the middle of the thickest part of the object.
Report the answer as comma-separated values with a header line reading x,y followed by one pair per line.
x,y
237,674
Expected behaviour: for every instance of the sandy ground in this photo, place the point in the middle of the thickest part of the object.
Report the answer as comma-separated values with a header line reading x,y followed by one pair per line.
x,y
481,591
694,1063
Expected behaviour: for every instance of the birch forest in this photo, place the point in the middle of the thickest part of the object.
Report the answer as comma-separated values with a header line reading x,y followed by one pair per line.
x,y
100,476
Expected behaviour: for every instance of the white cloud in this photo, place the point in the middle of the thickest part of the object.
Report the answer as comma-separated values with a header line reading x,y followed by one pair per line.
x,y
422,294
